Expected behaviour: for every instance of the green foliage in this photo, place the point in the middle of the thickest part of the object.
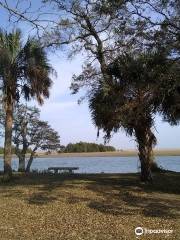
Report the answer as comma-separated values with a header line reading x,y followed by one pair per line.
x,y
24,69
87,147
133,98
170,92
1,150
29,132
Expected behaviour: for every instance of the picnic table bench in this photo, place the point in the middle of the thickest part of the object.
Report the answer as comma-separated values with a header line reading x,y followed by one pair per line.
x,y
64,169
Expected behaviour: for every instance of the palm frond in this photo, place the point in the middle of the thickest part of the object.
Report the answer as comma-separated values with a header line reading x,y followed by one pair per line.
x,y
24,69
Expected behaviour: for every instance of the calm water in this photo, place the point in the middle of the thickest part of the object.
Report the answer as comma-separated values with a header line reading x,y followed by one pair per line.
x,y
100,164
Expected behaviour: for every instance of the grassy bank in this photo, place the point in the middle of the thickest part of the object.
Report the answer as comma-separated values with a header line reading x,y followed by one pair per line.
x,y
97,206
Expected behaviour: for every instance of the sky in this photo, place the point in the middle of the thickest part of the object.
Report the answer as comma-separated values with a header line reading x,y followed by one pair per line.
x,y
73,121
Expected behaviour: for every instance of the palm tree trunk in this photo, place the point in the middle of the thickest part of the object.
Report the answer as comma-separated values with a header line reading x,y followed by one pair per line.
x,y
8,136
145,146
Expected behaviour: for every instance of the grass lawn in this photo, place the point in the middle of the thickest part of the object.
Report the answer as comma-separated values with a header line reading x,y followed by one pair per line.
x,y
97,206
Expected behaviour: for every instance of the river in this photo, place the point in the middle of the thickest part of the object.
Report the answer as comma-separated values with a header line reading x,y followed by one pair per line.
x,y
99,164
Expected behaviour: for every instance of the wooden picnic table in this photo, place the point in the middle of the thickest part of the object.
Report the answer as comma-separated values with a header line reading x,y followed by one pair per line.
x,y
57,169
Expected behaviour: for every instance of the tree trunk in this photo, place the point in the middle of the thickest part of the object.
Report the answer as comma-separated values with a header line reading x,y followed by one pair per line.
x,y
30,160
146,174
22,161
29,163
22,157
8,136
145,139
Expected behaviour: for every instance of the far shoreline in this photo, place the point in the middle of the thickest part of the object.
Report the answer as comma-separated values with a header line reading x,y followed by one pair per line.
x,y
121,153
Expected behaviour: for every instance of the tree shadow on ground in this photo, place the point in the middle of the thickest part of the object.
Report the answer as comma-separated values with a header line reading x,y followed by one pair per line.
x,y
128,196
41,187
115,194
40,198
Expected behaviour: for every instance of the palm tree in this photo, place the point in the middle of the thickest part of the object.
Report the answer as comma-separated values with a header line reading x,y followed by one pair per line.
x,y
24,71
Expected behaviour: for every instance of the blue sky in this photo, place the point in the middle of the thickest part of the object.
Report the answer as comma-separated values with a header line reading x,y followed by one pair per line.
x,y
73,121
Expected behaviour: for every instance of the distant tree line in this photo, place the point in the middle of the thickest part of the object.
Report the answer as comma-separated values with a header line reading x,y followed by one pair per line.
x,y
86,147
